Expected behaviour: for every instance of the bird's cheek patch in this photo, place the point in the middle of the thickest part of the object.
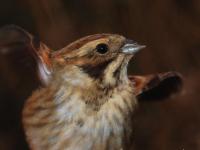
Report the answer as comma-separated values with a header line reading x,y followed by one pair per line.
x,y
96,70
156,86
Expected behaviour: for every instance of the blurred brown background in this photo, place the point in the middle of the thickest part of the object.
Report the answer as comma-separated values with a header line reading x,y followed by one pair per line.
x,y
169,28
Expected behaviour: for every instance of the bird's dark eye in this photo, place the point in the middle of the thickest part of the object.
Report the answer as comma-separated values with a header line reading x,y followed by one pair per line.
x,y
102,48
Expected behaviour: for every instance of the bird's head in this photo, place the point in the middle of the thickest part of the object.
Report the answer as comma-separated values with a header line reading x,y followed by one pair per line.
x,y
103,58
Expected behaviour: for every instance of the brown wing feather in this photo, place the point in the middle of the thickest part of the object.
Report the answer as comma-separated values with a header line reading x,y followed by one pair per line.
x,y
156,86
24,54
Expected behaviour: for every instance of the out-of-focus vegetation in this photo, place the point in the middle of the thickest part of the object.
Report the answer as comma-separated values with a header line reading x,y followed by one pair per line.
x,y
169,28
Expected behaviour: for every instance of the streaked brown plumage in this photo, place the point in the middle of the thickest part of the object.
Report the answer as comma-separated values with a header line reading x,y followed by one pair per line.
x,y
87,99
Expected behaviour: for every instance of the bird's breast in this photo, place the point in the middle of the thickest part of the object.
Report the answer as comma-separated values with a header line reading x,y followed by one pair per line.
x,y
62,120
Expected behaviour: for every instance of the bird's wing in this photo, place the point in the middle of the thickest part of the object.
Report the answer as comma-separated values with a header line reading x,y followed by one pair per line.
x,y
156,86
23,55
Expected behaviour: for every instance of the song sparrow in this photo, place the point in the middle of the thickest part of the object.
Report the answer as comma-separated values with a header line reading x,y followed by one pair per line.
x,y
86,99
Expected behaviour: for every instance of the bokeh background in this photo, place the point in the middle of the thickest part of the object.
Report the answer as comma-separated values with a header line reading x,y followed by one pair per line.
x,y
169,28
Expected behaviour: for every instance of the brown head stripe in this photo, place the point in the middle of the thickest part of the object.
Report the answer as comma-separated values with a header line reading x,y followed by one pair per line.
x,y
79,43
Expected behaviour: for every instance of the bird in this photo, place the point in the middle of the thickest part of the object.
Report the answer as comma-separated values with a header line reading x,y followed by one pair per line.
x,y
86,99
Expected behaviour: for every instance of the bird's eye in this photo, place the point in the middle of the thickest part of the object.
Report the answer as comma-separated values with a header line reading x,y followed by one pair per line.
x,y
102,48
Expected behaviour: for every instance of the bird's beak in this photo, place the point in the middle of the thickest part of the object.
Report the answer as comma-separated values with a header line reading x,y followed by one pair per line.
x,y
131,47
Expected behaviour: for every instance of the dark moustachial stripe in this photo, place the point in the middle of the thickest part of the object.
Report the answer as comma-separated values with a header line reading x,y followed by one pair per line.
x,y
117,72
95,71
